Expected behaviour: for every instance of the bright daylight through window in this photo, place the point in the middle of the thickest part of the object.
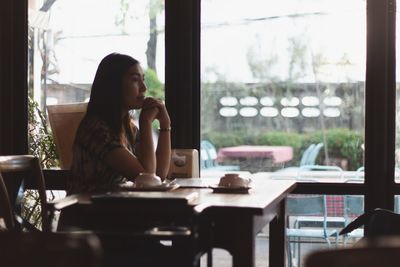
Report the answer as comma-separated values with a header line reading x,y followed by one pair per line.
x,y
283,89
67,40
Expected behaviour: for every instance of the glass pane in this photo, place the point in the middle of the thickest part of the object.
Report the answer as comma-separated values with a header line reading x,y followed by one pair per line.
x,y
397,204
283,87
306,214
68,39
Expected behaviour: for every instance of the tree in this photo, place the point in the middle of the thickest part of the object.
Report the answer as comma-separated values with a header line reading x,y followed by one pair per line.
x,y
155,87
261,67
155,7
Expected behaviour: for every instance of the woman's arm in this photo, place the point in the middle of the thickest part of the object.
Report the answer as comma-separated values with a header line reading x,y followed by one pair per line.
x,y
122,160
145,151
146,159
129,165
163,153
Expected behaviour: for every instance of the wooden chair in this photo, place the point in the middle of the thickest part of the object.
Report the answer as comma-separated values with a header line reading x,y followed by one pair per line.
x,y
16,169
6,212
64,121
49,249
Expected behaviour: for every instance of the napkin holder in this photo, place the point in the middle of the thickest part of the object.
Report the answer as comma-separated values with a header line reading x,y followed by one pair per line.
x,y
184,163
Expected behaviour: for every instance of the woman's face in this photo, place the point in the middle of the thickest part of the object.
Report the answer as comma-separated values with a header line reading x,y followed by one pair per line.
x,y
133,88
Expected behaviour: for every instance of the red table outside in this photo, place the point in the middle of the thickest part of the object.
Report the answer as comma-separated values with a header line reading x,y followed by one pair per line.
x,y
256,158
278,154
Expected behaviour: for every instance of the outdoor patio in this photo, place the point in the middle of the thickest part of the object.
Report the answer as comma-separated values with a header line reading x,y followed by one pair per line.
x,y
222,258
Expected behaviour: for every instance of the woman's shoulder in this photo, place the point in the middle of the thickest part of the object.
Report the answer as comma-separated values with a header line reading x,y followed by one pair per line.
x,y
95,132
94,122
92,125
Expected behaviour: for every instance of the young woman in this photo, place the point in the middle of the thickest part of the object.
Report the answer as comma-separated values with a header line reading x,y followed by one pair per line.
x,y
109,149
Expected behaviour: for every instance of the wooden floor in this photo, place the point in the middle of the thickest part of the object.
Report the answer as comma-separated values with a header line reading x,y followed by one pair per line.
x,y
222,258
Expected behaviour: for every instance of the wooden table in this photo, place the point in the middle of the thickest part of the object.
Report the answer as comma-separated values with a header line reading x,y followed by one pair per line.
x,y
237,218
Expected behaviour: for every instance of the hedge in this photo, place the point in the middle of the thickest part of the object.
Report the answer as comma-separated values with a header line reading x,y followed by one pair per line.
x,y
342,143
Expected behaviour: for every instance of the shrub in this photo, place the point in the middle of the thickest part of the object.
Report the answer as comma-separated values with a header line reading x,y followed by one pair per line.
x,y
154,86
224,139
41,145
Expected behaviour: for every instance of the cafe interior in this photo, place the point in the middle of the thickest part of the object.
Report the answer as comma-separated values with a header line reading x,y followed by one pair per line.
x,y
194,219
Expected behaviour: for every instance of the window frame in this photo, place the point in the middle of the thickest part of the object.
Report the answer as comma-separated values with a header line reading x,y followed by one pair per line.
x,y
182,78
13,77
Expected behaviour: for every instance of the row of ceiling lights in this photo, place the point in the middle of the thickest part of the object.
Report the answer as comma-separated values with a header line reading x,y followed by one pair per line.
x,y
271,112
309,101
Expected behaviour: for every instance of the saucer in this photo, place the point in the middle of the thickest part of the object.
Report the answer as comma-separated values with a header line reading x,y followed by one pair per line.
x,y
230,190
166,186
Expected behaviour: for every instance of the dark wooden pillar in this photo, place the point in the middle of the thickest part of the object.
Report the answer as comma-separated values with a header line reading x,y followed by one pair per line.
x,y
182,70
380,118
13,77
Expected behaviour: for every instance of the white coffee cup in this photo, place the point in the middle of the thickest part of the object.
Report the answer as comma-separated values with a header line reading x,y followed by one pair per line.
x,y
147,179
233,180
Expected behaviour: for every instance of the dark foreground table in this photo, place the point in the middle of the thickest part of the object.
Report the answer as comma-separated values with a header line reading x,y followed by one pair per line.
x,y
236,218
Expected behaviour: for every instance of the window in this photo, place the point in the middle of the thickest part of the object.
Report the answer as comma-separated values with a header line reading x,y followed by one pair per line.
x,y
68,38
282,77
283,92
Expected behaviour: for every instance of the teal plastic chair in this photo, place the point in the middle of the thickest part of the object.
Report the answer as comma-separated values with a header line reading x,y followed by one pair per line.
x,y
208,155
353,207
306,154
308,159
312,156
307,205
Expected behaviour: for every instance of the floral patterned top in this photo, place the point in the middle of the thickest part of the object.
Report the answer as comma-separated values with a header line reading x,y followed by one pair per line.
x,y
89,171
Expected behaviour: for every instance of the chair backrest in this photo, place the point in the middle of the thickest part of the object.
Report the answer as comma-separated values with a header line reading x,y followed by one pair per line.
x,y
17,168
312,157
6,212
304,158
43,250
355,257
64,121
306,205
184,163
206,153
204,158
212,152
353,207
360,173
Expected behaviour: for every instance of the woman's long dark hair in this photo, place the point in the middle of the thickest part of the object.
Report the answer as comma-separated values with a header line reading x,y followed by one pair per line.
x,y
106,94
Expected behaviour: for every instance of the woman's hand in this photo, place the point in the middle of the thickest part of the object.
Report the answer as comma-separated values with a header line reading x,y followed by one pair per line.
x,y
155,109
163,117
149,110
